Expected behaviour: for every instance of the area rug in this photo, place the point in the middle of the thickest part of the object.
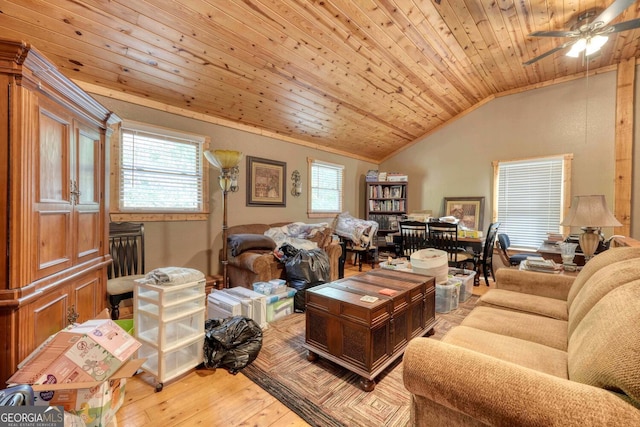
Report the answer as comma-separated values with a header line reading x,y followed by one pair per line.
x,y
325,394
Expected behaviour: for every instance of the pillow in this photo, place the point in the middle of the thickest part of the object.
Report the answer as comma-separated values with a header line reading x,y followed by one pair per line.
x,y
239,243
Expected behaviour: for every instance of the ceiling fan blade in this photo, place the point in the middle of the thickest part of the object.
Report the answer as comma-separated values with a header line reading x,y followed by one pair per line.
x,y
623,26
550,52
555,34
611,13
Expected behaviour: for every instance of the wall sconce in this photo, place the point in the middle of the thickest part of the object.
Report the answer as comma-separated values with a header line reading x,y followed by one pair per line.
x,y
296,184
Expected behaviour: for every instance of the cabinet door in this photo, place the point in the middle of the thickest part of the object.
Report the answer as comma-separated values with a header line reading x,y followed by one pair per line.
x,y
86,194
52,217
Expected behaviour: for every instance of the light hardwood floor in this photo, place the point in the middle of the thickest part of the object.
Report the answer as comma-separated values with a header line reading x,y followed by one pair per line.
x,y
210,398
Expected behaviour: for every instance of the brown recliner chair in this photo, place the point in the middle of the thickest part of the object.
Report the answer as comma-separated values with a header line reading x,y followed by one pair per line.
x,y
258,264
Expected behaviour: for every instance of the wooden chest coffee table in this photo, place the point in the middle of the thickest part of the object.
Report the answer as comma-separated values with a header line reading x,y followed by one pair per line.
x,y
366,337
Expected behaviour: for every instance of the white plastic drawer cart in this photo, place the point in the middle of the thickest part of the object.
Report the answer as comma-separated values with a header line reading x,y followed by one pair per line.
x,y
169,322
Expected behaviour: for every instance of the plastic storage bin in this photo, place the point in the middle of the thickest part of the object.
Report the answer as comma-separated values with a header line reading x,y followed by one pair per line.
x,y
269,288
280,305
467,277
169,323
447,297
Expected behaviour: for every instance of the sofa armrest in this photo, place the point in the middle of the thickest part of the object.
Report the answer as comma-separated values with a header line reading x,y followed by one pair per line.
x,y
530,282
253,261
496,392
334,251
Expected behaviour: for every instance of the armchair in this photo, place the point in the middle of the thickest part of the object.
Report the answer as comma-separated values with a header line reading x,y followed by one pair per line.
x,y
256,263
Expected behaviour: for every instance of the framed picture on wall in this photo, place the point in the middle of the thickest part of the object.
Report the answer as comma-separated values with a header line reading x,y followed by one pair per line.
x,y
468,210
265,180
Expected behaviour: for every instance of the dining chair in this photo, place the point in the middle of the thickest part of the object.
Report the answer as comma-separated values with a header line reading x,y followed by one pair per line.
x,y
413,236
444,236
485,261
126,246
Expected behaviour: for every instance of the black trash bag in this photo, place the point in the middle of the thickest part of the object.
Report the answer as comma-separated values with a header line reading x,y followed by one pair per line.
x,y
310,266
299,299
288,250
231,343
306,269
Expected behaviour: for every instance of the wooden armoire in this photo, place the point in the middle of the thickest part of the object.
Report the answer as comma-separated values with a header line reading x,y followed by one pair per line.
x,y
53,202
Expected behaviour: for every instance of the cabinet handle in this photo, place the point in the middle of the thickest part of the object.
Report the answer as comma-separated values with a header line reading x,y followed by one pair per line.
x,y
75,193
72,315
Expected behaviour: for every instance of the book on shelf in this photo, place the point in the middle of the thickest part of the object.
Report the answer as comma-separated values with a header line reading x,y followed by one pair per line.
x,y
372,175
397,177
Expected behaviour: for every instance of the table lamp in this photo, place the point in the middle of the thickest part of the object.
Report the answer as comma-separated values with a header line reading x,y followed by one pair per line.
x,y
590,213
227,161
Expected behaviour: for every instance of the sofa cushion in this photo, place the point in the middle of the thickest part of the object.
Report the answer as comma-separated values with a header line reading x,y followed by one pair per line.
x,y
605,347
596,263
601,283
516,301
238,243
530,327
521,352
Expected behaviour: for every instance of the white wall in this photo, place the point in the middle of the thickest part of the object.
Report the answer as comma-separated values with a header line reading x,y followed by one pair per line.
x,y
457,160
196,244
453,162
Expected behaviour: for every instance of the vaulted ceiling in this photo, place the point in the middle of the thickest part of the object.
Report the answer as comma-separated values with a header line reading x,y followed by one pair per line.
x,y
359,77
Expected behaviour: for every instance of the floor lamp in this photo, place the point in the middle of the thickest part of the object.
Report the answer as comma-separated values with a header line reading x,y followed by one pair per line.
x,y
590,213
227,161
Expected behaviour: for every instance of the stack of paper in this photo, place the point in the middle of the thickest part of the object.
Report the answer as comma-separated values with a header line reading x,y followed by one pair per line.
x,y
543,265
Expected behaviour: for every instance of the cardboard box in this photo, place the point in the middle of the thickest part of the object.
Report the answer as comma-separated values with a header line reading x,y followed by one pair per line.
x,y
67,369
92,351
95,402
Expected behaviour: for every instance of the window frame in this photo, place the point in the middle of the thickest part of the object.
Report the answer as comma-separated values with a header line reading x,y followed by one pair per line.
x,y
565,197
115,214
311,163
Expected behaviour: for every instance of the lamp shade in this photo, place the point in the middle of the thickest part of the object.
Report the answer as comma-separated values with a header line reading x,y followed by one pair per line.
x,y
223,159
590,211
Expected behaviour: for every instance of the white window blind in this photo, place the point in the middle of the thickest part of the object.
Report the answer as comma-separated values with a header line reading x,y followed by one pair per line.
x,y
160,170
530,198
326,187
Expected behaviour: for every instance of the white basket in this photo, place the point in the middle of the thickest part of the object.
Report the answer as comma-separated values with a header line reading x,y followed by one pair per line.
x,y
431,262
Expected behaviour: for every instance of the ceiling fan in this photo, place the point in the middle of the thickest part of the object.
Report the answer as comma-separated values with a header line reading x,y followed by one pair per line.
x,y
589,34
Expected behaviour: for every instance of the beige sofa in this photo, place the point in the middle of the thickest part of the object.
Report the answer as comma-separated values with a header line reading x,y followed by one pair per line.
x,y
540,350
257,264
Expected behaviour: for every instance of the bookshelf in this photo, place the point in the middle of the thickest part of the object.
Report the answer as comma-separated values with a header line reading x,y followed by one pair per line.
x,y
386,204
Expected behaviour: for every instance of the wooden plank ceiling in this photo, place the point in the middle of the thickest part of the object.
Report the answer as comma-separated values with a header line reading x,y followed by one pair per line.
x,y
360,77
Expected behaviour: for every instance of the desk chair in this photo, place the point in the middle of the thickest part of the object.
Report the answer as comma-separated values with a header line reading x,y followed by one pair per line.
x,y
512,260
444,236
126,245
413,235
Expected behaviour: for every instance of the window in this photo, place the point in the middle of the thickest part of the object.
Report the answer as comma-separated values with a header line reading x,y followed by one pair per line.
x,y
325,188
160,171
531,196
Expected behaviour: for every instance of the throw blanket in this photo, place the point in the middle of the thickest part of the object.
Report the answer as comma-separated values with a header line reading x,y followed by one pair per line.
x,y
172,276
296,234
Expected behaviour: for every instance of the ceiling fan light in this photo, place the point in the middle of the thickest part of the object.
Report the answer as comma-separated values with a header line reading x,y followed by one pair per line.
x,y
577,48
595,43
